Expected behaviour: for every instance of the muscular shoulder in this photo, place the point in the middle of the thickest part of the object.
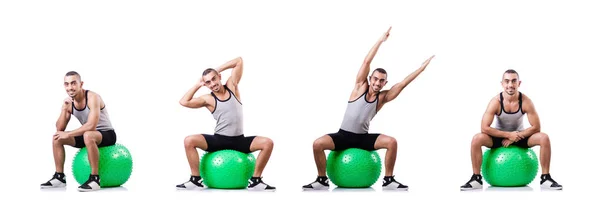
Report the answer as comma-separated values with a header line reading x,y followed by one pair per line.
x,y
208,99
527,103
96,98
494,104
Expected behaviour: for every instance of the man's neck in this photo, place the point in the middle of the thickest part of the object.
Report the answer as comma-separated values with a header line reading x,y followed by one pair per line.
x,y
511,98
80,97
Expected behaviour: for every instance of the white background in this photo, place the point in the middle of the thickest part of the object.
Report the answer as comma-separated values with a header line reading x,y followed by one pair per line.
x,y
301,59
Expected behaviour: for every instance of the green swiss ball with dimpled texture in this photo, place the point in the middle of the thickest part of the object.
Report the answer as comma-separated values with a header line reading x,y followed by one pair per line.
x,y
353,168
114,165
227,169
510,166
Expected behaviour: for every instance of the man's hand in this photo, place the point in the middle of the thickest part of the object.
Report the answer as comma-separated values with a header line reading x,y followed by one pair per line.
x,y
512,138
67,103
385,35
61,135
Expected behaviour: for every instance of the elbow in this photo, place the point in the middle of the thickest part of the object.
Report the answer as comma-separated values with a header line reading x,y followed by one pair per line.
x,y
537,129
485,130
239,60
183,103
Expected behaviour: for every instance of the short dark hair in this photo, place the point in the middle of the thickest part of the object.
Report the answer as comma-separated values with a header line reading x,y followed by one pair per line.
x,y
209,70
73,73
511,71
380,70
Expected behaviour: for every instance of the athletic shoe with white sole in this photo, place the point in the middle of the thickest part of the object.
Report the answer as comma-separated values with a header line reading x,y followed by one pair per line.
x,y
57,181
389,183
322,183
257,184
92,184
474,183
195,182
548,183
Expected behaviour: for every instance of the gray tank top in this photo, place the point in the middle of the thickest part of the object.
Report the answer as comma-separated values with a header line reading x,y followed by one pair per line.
x,y
229,115
510,121
359,114
82,116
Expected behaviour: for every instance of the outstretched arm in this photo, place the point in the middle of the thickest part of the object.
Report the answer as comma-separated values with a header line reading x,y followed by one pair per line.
x,y
236,74
363,72
532,116
397,88
188,101
93,117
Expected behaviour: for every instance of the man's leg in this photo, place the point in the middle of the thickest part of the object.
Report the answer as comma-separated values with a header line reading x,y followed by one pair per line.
x,y
265,145
478,141
319,146
58,150
391,145
191,143
543,141
92,139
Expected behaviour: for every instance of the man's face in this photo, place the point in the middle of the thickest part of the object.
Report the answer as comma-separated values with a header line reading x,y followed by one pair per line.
x,y
213,81
378,80
510,83
73,85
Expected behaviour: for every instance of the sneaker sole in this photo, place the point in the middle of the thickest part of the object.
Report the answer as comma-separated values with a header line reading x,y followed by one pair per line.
x,y
86,190
470,189
552,188
394,189
268,190
315,189
47,187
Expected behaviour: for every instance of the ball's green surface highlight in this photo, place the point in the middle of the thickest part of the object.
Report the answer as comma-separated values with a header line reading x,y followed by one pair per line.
x,y
353,168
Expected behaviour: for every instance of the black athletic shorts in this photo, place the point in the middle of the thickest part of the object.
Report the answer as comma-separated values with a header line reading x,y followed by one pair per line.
x,y
345,140
109,137
497,142
218,142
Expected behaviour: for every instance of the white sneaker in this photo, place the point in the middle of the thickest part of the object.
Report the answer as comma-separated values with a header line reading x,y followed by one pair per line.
x,y
474,183
322,183
92,184
256,184
389,183
195,182
548,183
57,181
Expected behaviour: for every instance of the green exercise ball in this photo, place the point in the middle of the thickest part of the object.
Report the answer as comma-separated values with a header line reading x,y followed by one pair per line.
x,y
227,169
510,166
114,165
353,168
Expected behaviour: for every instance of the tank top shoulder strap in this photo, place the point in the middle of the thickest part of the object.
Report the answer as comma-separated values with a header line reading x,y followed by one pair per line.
x,y
521,103
86,102
501,104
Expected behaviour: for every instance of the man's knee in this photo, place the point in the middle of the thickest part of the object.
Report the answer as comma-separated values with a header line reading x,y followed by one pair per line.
x,y
89,138
544,139
479,139
189,142
318,145
267,143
